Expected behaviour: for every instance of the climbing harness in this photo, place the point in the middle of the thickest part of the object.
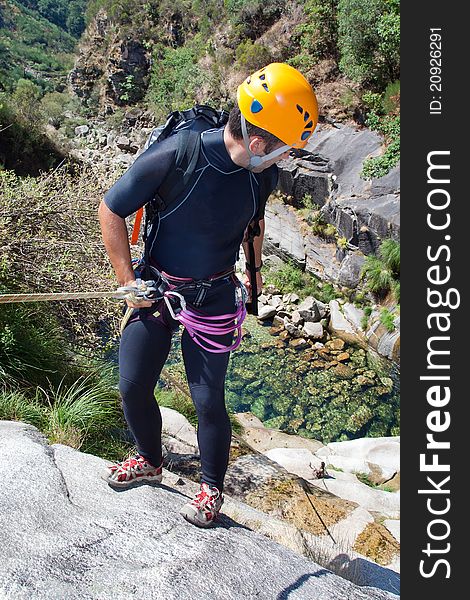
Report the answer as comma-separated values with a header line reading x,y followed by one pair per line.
x,y
170,289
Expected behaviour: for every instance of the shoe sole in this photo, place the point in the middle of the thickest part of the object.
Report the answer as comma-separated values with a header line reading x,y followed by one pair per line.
x,y
190,518
189,514
124,484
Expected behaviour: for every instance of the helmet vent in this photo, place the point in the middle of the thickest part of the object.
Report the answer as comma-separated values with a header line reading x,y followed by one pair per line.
x,y
309,125
305,135
300,109
265,85
256,107
248,80
262,77
307,117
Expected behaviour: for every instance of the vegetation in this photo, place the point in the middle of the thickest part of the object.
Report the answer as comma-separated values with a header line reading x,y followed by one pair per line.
x,y
369,39
382,278
48,227
382,272
290,278
384,117
48,238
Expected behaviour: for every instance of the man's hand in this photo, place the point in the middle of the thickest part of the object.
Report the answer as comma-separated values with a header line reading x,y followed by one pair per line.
x,y
247,283
138,302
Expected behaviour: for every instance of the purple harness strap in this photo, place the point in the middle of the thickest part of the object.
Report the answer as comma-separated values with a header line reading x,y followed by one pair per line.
x,y
197,324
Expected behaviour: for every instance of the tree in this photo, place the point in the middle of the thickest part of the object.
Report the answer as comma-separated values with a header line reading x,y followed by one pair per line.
x,y
368,39
25,99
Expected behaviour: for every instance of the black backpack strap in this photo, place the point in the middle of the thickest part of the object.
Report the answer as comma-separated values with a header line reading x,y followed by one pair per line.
x,y
177,179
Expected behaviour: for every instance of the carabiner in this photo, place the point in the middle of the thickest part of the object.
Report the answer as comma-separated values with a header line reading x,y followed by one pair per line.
x,y
169,305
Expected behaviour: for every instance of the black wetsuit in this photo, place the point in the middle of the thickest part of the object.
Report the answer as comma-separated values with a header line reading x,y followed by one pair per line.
x,y
199,235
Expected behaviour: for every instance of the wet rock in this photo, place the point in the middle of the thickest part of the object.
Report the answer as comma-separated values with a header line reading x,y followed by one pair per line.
x,y
335,344
298,344
343,371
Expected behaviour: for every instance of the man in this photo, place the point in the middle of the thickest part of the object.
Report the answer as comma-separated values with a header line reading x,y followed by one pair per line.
x,y
197,240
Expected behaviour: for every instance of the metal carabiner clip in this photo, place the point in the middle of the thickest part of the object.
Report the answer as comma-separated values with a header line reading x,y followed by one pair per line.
x,y
174,313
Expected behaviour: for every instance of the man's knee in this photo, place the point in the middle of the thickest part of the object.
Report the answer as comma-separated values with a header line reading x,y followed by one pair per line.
x,y
209,401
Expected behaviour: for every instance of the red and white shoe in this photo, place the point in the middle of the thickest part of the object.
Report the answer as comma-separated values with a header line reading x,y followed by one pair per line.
x,y
130,471
204,509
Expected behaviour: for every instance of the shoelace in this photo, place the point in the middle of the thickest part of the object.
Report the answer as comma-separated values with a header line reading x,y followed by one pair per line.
x,y
128,464
203,499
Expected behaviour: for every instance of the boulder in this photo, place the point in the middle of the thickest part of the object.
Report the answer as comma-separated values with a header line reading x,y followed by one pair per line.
x,y
383,451
123,142
350,270
266,312
340,326
348,487
70,535
263,438
312,310
296,319
81,130
314,331
177,426
299,461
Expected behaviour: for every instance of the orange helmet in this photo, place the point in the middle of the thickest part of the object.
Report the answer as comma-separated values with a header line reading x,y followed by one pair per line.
x,y
280,100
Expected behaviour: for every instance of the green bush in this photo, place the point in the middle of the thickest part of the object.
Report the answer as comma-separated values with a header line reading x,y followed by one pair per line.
x,y
252,56
78,411
382,272
369,40
251,18
386,124
289,278
390,254
175,80
387,318
31,344
16,406
318,36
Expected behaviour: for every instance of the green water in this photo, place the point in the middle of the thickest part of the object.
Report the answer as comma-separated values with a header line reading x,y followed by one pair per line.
x,y
283,387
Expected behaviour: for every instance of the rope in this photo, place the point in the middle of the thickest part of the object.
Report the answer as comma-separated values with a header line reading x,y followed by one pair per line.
x,y
9,298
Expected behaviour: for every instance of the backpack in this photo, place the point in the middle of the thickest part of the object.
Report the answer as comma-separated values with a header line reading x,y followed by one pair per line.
x,y
188,125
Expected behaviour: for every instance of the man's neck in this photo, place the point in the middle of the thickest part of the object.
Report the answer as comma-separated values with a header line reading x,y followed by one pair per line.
x,y
235,149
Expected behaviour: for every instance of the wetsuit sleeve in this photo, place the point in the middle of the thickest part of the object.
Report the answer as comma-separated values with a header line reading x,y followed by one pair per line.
x,y
270,180
140,182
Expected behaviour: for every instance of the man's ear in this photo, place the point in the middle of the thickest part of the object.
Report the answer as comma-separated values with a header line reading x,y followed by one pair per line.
x,y
257,145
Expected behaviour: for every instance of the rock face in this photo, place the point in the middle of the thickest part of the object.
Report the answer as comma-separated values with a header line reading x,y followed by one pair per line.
x,y
67,534
109,70
364,212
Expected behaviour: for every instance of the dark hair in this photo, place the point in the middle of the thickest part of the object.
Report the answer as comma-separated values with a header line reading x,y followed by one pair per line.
x,y
235,127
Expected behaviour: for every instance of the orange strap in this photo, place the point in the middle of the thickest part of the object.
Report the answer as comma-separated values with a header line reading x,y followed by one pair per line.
x,y
136,230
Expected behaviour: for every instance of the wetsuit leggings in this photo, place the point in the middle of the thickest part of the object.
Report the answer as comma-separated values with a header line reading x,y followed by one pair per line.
x,y
144,348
